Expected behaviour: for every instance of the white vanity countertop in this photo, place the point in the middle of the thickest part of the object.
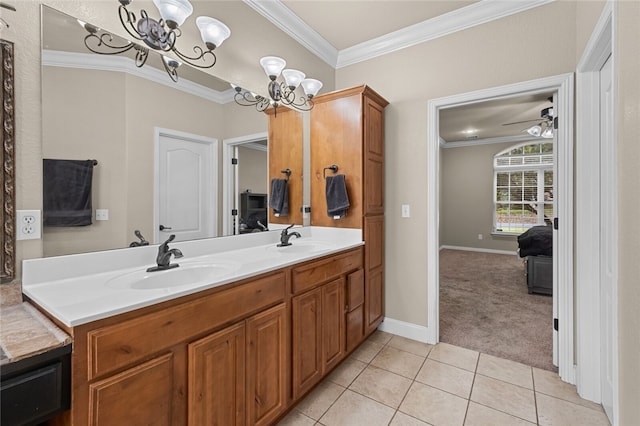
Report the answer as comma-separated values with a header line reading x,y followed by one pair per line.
x,y
78,289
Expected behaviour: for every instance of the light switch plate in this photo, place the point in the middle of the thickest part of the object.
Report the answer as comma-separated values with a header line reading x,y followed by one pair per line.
x,y
102,214
406,211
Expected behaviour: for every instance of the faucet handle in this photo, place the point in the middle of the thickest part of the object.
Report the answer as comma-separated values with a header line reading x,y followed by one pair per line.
x,y
171,238
289,227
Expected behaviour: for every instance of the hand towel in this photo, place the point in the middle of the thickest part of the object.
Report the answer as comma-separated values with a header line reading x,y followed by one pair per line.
x,y
279,197
337,198
67,192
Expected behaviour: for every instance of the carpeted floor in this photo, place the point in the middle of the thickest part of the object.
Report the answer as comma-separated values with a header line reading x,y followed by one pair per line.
x,y
485,306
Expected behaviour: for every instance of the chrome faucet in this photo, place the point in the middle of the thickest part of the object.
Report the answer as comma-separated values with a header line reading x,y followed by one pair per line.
x,y
285,235
164,256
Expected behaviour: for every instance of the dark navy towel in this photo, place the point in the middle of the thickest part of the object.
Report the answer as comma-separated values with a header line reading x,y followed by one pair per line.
x,y
67,192
279,197
337,198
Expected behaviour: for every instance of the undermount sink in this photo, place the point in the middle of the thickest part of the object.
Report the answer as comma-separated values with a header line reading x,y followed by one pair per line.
x,y
302,247
184,275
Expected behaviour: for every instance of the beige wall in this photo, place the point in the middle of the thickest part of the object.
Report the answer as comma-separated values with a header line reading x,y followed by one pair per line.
x,y
253,170
627,70
489,55
466,208
71,104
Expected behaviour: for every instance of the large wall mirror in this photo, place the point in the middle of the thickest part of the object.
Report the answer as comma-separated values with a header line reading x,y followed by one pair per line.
x,y
104,108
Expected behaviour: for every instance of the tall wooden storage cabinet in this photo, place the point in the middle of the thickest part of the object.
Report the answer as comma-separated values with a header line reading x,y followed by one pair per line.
x,y
347,130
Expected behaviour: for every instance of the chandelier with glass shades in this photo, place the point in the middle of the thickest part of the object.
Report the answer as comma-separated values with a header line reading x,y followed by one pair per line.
x,y
281,92
160,35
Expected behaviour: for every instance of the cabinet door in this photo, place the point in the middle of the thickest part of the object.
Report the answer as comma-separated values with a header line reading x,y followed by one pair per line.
x,y
217,378
375,303
373,157
138,396
333,319
306,340
266,366
355,309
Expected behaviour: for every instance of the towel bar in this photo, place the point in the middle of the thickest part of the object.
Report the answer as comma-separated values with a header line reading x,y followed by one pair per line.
x,y
286,172
333,168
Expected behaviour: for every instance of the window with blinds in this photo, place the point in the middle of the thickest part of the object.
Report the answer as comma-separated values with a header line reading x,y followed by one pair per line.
x,y
523,187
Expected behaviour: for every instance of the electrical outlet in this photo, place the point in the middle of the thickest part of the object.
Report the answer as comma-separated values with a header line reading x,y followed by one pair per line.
x,y
480,236
28,225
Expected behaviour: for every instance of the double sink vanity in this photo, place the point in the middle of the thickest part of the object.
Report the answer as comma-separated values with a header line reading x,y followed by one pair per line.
x,y
236,334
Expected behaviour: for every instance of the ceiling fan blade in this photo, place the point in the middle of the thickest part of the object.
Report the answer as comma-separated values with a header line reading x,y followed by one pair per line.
x,y
524,121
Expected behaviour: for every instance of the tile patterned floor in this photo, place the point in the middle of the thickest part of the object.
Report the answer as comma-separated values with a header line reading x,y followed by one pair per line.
x,y
390,380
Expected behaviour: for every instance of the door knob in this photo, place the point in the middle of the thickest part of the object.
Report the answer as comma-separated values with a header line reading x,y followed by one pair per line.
x,y
162,227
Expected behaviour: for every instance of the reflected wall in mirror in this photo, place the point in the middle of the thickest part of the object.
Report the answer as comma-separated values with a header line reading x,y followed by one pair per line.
x,y
7,194
105,108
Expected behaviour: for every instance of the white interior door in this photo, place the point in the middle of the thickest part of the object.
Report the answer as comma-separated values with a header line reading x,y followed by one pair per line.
x,y
556,257
186,186
608,243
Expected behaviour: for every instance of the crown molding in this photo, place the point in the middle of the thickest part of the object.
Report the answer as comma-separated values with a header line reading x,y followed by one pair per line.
x,y
282,17
475,14
461,19
488,141
90,61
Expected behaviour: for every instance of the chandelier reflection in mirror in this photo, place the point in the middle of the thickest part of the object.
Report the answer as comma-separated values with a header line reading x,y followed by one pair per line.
x,y
160,35
281,92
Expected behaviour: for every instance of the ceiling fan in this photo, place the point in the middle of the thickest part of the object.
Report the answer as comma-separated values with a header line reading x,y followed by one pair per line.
x,y
544,128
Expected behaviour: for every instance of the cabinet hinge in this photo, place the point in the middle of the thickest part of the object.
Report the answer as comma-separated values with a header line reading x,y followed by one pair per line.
x,y
234,212
234,161
555,223
555,324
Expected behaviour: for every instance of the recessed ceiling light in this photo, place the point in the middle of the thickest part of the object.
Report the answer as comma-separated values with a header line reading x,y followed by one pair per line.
x,y
469,131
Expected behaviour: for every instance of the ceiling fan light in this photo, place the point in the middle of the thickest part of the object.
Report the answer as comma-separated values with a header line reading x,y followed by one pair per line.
x,y
535,131
293,78
272,66
174,12
311,86
212,31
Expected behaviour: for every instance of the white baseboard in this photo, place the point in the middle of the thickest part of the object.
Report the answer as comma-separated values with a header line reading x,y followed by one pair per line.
x,y
406,329
481,250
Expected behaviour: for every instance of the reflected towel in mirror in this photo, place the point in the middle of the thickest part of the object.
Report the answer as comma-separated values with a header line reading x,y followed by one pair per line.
x,y
67,192
337,197
279,197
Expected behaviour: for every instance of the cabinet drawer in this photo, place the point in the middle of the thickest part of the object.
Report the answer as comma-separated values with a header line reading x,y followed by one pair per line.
x,y
317,272
114,347
355,290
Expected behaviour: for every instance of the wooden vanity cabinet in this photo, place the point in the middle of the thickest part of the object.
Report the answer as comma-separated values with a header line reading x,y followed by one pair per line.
x,y
347,129
216,357
320,317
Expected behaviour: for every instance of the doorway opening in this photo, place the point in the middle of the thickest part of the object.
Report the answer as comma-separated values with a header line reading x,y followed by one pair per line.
x,y
562,86
238,176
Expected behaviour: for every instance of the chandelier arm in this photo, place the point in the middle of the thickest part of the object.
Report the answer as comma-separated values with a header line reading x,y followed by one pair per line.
x,y
129,21
105,39
172,71
201,55
142,53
